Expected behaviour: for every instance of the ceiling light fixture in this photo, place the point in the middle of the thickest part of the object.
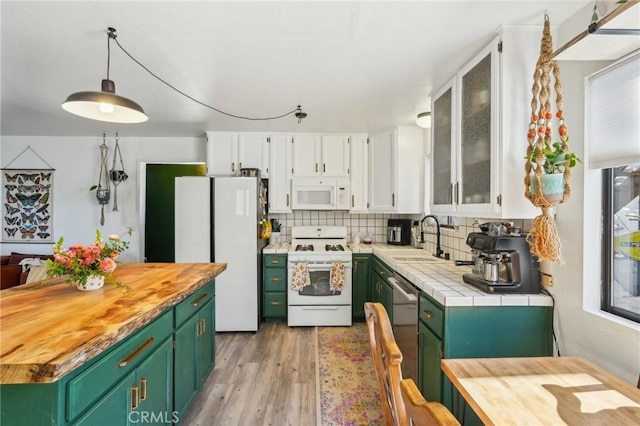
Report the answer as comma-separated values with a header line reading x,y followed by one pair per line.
x,y
105,105
299,114
424,120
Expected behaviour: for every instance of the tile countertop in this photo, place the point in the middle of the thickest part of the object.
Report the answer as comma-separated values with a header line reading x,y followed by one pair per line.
x,y
442,280
282,248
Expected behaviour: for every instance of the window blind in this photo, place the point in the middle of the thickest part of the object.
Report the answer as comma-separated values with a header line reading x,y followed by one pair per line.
x,y
613,114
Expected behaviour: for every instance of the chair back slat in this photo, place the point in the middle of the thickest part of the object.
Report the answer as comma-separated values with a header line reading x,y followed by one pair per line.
x,y
387,359
421,412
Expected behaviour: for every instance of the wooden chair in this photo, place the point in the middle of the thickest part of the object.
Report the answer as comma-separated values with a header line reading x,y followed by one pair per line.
x,y
421,412
386,358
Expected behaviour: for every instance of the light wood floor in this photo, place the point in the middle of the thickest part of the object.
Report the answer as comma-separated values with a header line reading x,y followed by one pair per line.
x,y
263,378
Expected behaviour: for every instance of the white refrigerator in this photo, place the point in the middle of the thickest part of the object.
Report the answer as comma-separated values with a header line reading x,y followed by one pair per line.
x,y
218,219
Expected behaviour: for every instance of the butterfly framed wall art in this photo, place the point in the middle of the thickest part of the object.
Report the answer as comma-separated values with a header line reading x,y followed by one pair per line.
x,y
27,206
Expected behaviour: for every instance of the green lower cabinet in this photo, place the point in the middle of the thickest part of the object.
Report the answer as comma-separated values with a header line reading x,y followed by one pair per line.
x,y
430,350
194,356
274,287
143,396
360,283
475,332
117,404
148,378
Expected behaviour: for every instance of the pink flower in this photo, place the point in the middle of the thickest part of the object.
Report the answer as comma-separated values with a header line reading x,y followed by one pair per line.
x,y
107,265
113,237
91,254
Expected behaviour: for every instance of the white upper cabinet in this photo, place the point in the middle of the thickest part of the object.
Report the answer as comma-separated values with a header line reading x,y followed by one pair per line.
x,y
227,153
222,154
253,152
358,168
484,113
316,155
335,155
396,170
279,177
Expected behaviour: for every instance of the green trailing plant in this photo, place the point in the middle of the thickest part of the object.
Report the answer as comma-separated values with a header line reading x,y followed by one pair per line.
x,y
554,159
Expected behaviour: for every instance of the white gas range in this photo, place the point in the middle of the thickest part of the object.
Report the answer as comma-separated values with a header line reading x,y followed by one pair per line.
x,y
318,250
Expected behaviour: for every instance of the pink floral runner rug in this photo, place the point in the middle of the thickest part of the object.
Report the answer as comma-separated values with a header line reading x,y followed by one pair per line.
x,y
347,388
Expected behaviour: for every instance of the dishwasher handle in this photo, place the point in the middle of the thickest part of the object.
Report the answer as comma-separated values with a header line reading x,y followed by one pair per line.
x,y
401,287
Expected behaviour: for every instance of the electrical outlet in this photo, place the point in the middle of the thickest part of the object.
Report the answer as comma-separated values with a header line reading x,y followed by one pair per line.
x,y
546,280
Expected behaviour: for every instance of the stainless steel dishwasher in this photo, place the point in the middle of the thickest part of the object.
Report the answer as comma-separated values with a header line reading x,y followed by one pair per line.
x,y
405,323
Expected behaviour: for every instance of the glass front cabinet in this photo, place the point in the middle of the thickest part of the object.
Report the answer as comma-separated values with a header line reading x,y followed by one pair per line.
x,y
480,120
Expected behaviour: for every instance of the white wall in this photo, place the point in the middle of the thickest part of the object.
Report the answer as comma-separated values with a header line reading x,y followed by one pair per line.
x,y
612,343
76,212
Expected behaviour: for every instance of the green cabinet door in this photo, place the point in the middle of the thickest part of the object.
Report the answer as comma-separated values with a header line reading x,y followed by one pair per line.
x,y
155,380
361,285
274,289
429,355
205,343
194,356
118,406
185,382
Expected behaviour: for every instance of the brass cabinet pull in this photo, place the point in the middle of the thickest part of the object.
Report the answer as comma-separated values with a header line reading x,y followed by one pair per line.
x,y
316,167
240,166
275,278
275,261
135,397
137,351
428,314
457,193
352,201
143,388
275,303
233,167
287,200
355,266
199,328
197,302
324,168
393,199
204,325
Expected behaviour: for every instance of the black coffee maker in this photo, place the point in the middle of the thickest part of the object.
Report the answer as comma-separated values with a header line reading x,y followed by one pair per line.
x,y
503,264
399,232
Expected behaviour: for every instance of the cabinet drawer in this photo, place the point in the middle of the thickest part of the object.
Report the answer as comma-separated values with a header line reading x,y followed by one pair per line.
x,y
275,305
116,363
431,315
275,279
191,304
271,260
381,269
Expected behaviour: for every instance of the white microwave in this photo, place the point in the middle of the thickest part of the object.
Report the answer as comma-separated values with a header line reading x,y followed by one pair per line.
x,y
320,193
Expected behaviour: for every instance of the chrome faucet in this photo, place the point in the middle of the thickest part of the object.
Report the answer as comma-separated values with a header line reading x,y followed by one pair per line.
x,y
439,250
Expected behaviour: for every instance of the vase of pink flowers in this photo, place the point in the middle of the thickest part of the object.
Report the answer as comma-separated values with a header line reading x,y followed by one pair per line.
x,y
90,266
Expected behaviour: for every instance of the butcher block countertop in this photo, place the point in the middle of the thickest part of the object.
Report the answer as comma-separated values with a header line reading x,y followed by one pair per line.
x,y
48,330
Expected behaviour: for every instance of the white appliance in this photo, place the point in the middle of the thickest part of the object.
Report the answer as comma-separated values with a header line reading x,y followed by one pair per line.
x,y
319,247
320,194
218,220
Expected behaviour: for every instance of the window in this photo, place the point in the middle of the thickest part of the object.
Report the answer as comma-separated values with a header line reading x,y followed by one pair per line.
x,y
613,115
621,241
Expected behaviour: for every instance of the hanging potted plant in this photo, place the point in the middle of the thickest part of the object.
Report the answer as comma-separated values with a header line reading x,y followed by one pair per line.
x,y
553,160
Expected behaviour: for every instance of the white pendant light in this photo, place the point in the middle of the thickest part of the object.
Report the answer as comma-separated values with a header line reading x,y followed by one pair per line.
x,y
105,105
424,120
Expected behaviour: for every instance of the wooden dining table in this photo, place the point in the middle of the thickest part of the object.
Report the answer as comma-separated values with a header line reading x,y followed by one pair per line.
x,y
542,391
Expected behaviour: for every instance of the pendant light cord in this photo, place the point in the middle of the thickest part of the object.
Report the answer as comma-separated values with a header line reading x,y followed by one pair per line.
x,y
298,111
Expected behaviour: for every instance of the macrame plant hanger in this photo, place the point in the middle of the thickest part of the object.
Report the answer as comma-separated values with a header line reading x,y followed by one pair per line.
x,y
543,237
117,176
103,191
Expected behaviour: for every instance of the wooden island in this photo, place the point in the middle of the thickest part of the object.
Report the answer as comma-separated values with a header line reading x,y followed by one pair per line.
x,y
73,357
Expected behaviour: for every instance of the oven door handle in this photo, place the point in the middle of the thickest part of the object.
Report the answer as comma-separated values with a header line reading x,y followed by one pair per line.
x,y
402,289
321,266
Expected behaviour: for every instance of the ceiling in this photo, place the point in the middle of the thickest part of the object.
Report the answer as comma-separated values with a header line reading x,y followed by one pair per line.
x,y
353,66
